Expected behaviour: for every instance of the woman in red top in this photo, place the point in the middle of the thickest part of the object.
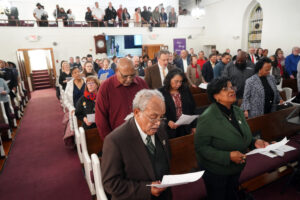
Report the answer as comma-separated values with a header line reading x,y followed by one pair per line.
x,y
201,59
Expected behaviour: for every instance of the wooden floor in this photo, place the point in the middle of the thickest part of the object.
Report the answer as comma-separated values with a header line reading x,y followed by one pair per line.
x,y
7,144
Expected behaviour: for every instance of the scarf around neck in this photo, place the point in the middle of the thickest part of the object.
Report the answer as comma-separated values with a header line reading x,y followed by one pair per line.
x,y
90,95
197,74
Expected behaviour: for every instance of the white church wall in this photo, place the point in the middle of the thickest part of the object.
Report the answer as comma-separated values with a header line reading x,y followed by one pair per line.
x,y
80,41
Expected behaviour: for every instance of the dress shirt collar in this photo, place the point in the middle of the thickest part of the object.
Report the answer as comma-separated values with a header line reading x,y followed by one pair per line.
x,y
143,134
117,83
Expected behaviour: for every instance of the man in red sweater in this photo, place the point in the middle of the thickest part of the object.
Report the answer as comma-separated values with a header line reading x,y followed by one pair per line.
x,y
115,96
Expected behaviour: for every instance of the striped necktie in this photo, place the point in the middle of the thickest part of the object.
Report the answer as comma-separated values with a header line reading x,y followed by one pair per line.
x,y
150,145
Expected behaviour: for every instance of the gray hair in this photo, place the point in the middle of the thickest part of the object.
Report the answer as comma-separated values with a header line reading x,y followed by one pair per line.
x,y
162,52
142,98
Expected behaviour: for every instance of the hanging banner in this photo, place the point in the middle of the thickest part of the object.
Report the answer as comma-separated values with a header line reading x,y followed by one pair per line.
x,y
179,44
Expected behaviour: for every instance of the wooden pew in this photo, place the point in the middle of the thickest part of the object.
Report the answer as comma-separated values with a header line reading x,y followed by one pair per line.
x,y
197,90
183,157
273,126
93,141
201,99
291,83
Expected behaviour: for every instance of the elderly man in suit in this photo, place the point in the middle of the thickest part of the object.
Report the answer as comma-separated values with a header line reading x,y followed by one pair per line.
x,y
137,153
184,61
155,75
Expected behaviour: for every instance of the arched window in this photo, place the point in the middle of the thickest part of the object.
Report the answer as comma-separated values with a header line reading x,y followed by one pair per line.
x,y
255,27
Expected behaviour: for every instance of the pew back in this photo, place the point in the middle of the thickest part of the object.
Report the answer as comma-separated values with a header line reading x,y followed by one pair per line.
x,y
273,126
201,99
183,156
93,141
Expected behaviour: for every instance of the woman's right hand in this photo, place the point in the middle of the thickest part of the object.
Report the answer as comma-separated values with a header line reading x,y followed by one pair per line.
x,y
237,157
86,121
194,86
172,125
246,114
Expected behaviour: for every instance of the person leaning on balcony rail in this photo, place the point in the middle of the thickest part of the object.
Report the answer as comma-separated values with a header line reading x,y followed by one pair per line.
x,y
125,17
12,15
38,13
89,16
137,17
172,18
163,18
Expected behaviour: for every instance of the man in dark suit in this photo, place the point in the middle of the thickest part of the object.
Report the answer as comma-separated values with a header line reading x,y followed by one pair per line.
x,y
208,68
155,75
137,153
252,56
184,61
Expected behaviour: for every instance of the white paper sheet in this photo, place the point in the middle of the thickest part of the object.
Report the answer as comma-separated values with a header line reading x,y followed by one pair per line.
x,y
286,148
269,148
203,86
186,119
90,118
270,155
180,179
290,100
103,76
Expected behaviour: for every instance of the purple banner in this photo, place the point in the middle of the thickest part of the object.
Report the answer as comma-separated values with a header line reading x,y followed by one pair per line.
x,y
179,44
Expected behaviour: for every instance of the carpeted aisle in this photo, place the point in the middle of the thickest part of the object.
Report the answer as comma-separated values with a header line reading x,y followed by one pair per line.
x,y
39,167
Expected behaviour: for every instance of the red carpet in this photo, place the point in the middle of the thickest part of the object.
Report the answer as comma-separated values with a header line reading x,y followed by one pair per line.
x,y
39,167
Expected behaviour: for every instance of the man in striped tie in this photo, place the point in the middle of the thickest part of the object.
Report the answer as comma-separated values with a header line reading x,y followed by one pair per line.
x,y
136,154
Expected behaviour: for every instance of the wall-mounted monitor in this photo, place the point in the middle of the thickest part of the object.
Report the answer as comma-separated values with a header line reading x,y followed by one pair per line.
x,y
122,45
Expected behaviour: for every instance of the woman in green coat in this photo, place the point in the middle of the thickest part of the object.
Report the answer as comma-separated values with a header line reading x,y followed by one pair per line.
x,y
222,138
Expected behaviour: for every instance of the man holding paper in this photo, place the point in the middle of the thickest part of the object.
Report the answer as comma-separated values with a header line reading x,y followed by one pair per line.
x,y
136,154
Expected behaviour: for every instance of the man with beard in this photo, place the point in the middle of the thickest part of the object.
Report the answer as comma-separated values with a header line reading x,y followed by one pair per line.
x,y
238,72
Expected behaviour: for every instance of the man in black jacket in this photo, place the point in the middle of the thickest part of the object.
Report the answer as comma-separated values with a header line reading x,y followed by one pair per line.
x,y
207,69
110,15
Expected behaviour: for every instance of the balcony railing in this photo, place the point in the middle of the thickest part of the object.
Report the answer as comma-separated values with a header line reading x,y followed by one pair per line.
x,y
60,23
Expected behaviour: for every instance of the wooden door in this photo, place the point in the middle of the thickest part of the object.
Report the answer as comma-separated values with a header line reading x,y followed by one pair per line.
x,y
151,50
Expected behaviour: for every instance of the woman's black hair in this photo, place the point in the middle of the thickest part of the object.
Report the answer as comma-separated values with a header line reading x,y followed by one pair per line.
x,y
277,52
171,74
74,69
261,63
215,86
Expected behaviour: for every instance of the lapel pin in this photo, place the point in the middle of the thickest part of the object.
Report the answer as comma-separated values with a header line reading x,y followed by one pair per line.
x,y
164,142
240,122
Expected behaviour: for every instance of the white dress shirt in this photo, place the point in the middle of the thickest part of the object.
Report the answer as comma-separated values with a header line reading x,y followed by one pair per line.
x,y
144,135
185,65
162,74
98,12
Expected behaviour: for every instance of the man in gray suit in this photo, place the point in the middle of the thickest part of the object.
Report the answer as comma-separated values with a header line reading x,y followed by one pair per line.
x,y
136,154
155,75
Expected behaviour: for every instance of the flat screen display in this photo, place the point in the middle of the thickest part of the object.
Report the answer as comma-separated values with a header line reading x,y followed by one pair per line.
x,y
122,45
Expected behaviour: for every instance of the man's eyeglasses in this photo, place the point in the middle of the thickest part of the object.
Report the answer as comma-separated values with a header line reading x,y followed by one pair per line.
x,y
234,88
131,76
154,120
